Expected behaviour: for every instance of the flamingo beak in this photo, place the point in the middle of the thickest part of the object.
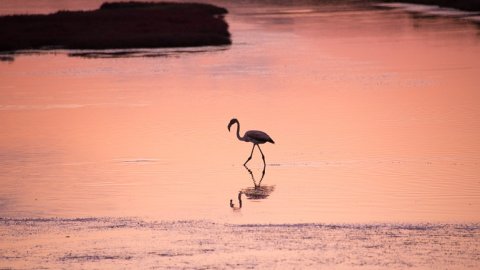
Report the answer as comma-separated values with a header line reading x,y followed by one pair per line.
x,y
231,123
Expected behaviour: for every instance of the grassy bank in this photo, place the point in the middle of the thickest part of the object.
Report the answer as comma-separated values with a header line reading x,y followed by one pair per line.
x,y
468,5
118,26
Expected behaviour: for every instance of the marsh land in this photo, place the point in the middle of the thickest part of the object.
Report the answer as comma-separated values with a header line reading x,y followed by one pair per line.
x,y
118,25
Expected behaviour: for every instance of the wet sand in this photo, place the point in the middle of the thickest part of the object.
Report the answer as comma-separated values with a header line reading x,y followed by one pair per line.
x,y
122,243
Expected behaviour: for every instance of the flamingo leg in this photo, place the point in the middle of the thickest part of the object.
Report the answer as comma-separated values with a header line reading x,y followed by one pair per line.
x,y
263,156
251,153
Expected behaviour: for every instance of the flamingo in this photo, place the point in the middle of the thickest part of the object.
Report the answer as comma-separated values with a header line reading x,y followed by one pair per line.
x,y
254,136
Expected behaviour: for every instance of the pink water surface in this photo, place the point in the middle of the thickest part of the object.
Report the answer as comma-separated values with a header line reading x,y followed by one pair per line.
x,y
374,113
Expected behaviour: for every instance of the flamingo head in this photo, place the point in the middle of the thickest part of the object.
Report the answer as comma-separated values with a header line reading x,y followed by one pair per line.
x,y
233,121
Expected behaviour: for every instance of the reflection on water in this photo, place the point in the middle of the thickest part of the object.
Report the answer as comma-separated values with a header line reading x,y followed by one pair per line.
x,y
164,52
6,58
257,192
375,115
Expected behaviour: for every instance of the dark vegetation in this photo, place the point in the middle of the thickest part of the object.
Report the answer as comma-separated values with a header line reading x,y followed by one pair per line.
x,y
468,5
118,26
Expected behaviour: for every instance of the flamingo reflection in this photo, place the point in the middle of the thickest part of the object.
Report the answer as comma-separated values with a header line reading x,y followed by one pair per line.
x,y
232,205
257,192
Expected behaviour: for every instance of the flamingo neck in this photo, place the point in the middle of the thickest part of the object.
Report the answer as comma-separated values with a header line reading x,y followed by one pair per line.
x,y
238,132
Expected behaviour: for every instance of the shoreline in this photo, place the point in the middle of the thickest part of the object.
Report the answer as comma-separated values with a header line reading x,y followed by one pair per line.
x,y
120,25
464,5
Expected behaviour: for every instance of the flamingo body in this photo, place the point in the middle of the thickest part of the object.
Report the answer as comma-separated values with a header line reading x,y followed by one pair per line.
x,y
257,137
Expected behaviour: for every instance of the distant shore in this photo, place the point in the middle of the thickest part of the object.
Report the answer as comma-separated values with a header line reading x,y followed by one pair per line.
x,y
118,26
467,5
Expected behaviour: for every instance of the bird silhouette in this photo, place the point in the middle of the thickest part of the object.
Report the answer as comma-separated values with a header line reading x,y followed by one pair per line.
x,y
254,136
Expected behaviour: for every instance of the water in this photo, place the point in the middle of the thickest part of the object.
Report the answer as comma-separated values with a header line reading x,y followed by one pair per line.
x,y
374,113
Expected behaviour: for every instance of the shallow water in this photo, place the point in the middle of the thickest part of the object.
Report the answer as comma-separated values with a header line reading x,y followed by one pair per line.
x,y
374,113
375,116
